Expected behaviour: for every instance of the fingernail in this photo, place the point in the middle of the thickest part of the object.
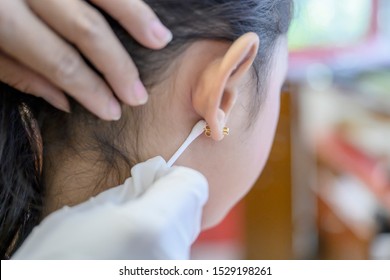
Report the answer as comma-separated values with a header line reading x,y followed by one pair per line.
x,y
160,32
140,93
64,107
59,101
114,110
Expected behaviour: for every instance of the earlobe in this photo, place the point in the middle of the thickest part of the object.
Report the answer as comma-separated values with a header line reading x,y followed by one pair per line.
x,y
217,89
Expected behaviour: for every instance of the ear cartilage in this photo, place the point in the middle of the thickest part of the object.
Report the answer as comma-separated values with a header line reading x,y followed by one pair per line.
x,y
207,131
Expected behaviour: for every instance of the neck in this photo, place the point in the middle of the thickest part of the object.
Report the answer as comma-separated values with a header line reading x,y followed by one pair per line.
x,y
70,180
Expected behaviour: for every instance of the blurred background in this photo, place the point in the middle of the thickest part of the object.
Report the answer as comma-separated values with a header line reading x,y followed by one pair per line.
x,y
325,193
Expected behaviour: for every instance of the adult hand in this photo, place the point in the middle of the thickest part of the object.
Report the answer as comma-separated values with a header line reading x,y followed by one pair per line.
x,y
38,55
156,214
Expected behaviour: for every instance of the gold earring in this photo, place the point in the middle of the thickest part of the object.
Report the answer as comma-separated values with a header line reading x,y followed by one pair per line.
x,y
226,131
207,131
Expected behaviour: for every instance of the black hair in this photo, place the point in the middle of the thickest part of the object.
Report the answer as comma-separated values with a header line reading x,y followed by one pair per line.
x,y
30,129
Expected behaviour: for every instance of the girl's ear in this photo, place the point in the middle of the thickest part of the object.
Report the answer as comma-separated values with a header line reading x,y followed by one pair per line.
x,y
216,92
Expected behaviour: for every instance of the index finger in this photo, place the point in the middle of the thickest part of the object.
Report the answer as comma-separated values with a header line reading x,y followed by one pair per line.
x,y
139,20
83,26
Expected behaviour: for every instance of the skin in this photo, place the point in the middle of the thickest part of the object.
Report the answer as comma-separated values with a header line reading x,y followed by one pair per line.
x,y
211,81
41,42
233,164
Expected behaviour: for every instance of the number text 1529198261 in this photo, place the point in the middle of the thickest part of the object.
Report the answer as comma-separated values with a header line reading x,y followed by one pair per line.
x,y
244,270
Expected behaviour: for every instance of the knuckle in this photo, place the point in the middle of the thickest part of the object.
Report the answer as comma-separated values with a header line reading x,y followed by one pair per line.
x,y
88,27
67,67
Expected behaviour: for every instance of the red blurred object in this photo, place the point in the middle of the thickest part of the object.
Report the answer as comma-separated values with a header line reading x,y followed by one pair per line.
x,y
343,156
231,228
226,240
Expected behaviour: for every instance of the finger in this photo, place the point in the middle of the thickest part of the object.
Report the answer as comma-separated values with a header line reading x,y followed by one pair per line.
x,y
139,20
82,25
56,61
25,80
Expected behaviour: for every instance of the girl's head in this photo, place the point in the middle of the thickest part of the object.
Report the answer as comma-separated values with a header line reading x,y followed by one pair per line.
x,y
226,64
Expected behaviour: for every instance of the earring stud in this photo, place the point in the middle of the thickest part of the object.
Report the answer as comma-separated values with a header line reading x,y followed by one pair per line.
x,y
226,131
207,131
